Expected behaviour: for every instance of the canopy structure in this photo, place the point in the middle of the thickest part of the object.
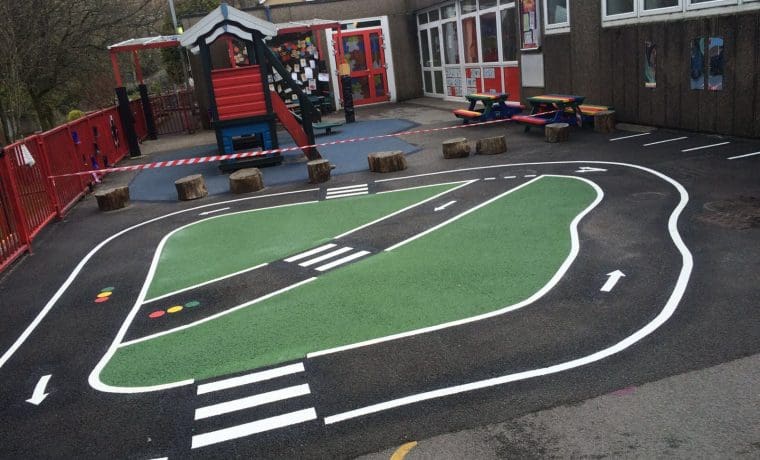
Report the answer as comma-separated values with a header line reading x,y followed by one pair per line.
x,y
135,45
226,20
306,26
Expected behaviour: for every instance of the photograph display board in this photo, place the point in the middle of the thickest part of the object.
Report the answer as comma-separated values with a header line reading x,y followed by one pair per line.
x,y
530,29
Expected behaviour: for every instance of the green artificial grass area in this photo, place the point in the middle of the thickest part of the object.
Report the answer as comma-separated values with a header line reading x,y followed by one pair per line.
x,y
224,245
489,259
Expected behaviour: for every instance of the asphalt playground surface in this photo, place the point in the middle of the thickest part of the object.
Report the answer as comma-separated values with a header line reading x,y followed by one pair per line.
x,y
670,211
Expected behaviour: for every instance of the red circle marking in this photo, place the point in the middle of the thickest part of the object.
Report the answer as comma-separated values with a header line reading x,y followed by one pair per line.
x,y
157,314
101,299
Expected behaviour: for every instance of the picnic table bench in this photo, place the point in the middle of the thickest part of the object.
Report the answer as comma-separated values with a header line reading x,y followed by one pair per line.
x,y
495,106
552,108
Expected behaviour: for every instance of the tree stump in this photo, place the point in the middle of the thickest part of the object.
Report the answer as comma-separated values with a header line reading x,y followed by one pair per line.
x,y
319,171
604,121
557,132
246,181
491,145
384,162
113,198
456,148
191,187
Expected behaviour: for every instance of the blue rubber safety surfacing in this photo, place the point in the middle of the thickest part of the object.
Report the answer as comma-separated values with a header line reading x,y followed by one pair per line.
x,y
158,184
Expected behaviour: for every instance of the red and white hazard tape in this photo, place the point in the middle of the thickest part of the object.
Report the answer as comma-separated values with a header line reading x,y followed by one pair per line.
x,y
237,156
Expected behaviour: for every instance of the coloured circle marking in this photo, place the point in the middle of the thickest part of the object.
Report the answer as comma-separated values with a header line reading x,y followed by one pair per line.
x,y
157,314
192,304
101,299
175,309
105,294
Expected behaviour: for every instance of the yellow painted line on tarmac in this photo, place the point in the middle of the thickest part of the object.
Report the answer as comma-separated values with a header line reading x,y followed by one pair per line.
x,y
403,450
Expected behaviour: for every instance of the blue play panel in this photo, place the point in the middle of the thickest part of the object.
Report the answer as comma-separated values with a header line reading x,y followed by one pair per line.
x,y
158,184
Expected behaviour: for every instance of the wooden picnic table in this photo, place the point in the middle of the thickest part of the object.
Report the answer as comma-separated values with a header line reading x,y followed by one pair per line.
x,y
562,103
488,101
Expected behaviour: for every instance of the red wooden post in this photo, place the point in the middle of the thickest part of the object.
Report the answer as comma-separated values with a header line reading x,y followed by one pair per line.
x,y
116,71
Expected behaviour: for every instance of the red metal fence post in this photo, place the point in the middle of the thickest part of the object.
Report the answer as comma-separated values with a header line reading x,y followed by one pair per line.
x,y
49,179
15,198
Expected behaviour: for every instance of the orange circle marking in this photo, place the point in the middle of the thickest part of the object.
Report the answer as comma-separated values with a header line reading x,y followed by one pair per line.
x,y
175,309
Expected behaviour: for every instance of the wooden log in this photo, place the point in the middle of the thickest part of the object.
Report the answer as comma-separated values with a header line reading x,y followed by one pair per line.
x,y
319,171
457,147
191,187
557,132
384,162
246,181
113,198
491,145
604,121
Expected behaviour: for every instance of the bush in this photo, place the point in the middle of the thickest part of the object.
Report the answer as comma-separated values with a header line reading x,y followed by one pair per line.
x,y
75,115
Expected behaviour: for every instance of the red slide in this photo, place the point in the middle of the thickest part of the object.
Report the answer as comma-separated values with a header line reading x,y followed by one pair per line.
x,y
292,125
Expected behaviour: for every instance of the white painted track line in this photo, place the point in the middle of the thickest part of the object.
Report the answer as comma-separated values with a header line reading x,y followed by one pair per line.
x,y
252,401
342,261
205,283
335,189
329,255
666,141
250,378
702,147
259,426
332,197
629,137
744,156
310,253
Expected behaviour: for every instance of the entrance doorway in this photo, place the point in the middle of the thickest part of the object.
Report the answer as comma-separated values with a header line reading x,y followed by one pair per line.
x,y
364,52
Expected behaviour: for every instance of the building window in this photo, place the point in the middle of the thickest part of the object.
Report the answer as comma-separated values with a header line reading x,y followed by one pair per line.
x,y
615,7
450,43
448,12
470,40
469,6
556,13
489,43
613,10
508,34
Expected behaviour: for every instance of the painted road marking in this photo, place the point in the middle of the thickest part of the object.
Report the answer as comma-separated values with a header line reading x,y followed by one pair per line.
x,y
205,283
342,261
444,206
39,394
666,140
402,451
586,169
342,192
510,177
612,280
490,178
255,377
259,426
310,253
324,257
455,218
744,156
629,137
208,213
702,147
51,303
195,323
530,175
252,401
350,187
665,314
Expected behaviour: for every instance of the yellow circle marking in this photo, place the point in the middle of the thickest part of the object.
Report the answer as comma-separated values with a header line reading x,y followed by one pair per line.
x,y
104,294
403,450
175,309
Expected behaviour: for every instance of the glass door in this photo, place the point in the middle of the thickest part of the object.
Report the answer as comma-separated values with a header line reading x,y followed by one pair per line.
x,y
432,63
363,50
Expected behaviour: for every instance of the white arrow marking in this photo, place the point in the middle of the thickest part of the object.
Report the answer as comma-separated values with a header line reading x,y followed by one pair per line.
x,y
614,277
39,394
442,207
588,169
213,212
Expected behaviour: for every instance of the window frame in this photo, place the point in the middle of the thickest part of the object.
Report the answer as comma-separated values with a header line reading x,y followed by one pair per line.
x,y
690,5
685,9
564,26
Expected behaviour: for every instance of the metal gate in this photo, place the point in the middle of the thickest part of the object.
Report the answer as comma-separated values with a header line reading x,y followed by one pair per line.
x,y
175,113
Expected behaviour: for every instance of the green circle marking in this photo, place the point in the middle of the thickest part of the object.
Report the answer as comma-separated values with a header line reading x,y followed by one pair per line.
x,y
107,289
192,304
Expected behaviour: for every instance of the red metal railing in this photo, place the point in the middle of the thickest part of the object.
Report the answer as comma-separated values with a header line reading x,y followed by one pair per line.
x,y
30,195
